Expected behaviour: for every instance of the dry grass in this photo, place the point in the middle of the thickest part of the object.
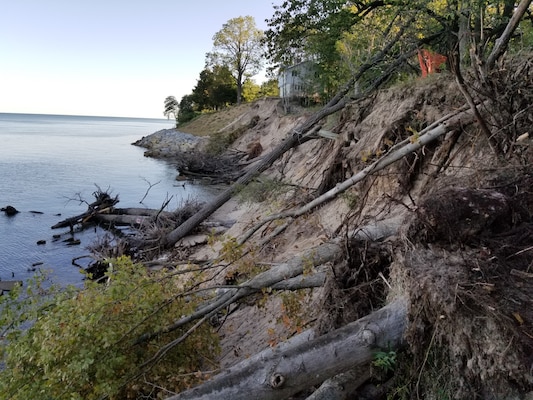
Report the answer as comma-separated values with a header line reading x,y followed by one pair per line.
x,y
209,123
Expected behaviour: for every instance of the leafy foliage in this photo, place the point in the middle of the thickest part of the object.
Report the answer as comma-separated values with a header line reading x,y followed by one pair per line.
x,y
215,89
385,360
80,344
237,46
186,109
270,88
339,36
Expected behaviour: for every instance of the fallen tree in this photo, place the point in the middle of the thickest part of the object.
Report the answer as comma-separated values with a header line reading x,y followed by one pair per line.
x,y
278,274
103,203
278,373
308,130
437,129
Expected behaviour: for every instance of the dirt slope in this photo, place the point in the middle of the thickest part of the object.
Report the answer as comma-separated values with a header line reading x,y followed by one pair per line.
x,y
462,251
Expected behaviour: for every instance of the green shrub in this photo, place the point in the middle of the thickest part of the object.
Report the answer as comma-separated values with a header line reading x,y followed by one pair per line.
x,y
80,344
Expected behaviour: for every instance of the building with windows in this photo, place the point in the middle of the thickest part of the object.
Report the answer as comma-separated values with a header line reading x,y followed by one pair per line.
x,y
297,81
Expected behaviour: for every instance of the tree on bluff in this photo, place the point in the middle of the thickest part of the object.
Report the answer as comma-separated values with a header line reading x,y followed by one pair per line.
x,y
214,89
340,35
171,107
238,46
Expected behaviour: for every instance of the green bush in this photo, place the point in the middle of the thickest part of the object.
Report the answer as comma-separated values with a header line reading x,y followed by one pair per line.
x,y
80,344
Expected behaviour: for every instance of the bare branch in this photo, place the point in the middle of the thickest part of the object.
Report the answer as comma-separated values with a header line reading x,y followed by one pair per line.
x,y
427,135
150,185
316,256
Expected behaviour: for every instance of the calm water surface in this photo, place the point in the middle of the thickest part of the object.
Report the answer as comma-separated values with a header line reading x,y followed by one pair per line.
x,y
48,161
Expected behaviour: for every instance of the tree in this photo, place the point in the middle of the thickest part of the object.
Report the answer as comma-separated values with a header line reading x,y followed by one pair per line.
x,y
340,35
270,88
215,89
250,90
186,108
302,30
201,91
238,46
171,107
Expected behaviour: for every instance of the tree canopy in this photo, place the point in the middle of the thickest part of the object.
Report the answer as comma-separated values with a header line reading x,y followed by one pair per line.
x,y
171,107
214,89
339,35
238,47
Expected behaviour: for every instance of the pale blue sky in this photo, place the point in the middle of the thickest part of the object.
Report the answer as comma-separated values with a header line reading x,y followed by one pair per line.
x,y
108,57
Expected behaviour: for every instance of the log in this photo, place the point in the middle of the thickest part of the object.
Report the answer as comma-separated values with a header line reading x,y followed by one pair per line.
x,y
103,203
503,41
280,372
148,212
70,222
316,256
446,124
123,220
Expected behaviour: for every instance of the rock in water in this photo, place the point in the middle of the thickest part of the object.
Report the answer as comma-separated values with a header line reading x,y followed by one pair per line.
x,y
9,210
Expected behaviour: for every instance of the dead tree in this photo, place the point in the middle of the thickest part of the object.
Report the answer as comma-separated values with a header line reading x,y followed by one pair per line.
x,y
444,125
103,203
278,373
279,274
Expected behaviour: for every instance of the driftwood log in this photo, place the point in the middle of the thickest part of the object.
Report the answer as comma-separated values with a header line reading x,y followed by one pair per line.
x,y
103,203
135,217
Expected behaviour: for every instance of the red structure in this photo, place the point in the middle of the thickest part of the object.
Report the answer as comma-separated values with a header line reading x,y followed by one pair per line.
x,y
430,62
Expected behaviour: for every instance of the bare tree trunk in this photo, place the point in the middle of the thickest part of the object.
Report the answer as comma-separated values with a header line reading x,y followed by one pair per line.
x,y
502,42
428,135
277,373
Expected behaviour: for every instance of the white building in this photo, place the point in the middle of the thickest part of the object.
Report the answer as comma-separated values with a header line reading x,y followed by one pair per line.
x,y
296,81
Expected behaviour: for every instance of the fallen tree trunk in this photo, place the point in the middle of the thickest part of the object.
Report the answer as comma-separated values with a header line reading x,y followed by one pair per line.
x,y
123,220
414,143
149,212
135,217
303,133
283,272
278,373
503,41
103,203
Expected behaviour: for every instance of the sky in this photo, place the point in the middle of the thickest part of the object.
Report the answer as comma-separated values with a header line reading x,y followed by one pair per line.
x,y
117,58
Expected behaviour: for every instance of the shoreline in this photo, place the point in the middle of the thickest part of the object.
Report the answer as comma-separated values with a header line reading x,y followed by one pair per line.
x,y
167,143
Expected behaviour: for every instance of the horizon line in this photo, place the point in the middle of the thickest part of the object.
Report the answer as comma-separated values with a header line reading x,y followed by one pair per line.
x,y
80,115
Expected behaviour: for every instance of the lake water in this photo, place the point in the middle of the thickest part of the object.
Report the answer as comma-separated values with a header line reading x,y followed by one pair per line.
x,y
49,161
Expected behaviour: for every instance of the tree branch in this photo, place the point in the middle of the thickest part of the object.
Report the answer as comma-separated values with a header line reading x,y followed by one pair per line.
x,y
503,41
427,135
